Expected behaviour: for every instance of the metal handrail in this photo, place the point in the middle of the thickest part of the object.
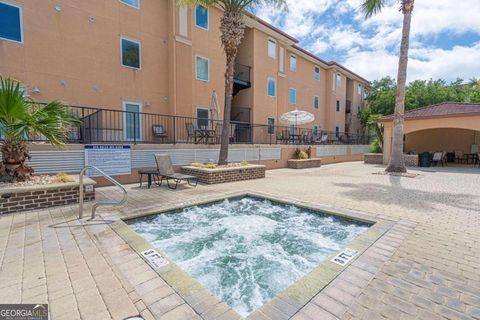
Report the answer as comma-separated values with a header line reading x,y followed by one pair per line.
x,y
100,203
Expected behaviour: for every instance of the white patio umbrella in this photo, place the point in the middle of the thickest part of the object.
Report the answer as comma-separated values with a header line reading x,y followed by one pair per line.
x,y
297,117
214,109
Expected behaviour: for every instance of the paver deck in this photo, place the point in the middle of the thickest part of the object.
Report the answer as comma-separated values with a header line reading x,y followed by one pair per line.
x,y
426,267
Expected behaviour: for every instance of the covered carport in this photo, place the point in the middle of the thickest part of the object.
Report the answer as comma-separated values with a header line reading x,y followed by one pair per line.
x,y
448,127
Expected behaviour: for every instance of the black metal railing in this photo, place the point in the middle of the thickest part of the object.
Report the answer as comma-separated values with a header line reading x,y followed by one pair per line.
x,y
116,126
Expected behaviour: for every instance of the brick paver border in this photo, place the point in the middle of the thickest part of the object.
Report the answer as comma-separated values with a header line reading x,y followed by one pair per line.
x,y
329,288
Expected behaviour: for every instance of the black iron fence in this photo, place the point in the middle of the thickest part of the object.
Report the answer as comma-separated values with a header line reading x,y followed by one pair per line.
x,y
116,126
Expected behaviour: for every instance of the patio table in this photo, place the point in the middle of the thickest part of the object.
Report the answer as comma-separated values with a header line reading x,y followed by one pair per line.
x,y
151,174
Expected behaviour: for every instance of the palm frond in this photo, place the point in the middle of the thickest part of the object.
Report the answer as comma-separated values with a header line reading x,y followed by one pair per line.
x,y
372,7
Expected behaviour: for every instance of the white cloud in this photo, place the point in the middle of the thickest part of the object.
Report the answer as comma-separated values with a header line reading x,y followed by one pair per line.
x,y
370,47
424,63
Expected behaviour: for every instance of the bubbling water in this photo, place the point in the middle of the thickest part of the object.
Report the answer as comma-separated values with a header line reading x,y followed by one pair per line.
x,y
247,250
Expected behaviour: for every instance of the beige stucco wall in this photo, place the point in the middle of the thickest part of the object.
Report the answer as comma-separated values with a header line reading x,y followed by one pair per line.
x,y
74,55
441,140
441,133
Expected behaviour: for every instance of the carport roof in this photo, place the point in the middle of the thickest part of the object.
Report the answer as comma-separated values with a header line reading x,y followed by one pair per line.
x,y
441,110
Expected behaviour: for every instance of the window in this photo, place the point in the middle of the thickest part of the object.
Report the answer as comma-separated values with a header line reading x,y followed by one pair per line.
x,y
338,106
338,80
131,53
337,132
271,125
293,96
132,120
202,68
359,89
202,118
293,63
316,102
282,60
11,26
201,17
132,3
271,87
272,48
317,73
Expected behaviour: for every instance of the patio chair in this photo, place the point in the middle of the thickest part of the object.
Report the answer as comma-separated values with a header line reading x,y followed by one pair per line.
x,y
159,131
192,133
438,157
165,171
306,138
280,137
460,157
477,160
324,139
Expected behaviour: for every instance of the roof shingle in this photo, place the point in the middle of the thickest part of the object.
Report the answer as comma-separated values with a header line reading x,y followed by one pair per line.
x,y
446,109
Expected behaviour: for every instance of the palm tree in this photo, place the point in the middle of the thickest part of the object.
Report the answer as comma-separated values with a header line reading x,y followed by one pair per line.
x,y
22,119
371,7
232,28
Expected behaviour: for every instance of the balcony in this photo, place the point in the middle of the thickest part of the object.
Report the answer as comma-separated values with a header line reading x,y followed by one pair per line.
x,y
241,78
348,106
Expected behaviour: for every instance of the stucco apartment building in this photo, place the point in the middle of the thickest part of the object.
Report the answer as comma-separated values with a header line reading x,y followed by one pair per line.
x,y
155,57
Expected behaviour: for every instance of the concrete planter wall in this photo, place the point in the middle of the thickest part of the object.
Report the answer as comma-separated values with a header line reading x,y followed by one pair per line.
x,y
304,163
18,199
373,158
411,160
223,175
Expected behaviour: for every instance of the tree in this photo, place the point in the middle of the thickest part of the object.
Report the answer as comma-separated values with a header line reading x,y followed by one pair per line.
x,y
20,120
232,28
371,7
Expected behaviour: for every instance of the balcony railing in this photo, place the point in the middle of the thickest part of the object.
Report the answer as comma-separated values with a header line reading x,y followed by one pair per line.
x,y
115,126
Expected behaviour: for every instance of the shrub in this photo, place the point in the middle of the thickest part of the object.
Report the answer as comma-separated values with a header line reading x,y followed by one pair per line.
x,y
375,146
302,155
244,163
197,165
62,177
210,166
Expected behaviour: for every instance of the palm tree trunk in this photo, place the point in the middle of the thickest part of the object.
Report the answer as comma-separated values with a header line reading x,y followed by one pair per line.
x,y
232,27
225,137
397,161
13,168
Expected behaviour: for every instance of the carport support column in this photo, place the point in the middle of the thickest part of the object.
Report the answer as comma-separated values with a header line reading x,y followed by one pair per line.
x,y
387,142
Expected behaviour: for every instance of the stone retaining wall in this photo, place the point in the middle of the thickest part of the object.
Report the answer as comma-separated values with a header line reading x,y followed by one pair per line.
x,y
304,163
20,199
214,176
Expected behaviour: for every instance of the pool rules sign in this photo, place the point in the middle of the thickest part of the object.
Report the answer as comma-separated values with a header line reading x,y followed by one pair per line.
x,y
114,160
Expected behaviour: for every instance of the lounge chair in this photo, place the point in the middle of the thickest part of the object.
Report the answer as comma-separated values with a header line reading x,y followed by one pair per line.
x,y
165,171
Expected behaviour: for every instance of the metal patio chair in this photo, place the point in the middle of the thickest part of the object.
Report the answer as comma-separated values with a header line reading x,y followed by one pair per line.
x,y
165,171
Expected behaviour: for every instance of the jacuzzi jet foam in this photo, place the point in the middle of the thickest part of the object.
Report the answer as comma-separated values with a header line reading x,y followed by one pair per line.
x,y
247,250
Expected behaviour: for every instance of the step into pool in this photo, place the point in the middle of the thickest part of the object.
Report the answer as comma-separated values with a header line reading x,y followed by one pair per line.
x,y
246,250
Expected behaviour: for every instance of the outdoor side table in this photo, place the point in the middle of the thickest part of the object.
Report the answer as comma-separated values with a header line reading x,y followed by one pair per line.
x,y
152,175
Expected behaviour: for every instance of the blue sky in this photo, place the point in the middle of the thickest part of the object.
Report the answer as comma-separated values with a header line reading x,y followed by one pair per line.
x,y
445,36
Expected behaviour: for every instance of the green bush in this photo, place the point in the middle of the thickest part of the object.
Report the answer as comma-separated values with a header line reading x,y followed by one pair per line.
x,y
375,146
302,155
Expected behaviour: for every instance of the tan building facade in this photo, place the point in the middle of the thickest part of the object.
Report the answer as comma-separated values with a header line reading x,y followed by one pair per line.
x,y
155,57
